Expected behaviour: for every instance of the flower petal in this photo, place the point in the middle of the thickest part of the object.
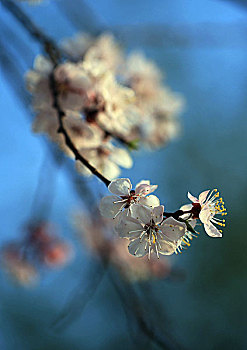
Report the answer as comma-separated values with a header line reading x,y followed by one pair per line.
x,y
109,207
205,215
150,201
141,213
173,229
203,196
192,198
120,187
144,189
157,214
211,230
186,207
137,248
129,228
121,157
143,182
166,247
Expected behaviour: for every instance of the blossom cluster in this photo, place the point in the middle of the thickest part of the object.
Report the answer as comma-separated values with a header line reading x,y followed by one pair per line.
x,y
142,220
40,247
107,99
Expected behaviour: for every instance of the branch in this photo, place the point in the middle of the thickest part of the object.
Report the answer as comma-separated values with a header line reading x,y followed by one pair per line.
x,y
79,300
68,141
48,44
133,304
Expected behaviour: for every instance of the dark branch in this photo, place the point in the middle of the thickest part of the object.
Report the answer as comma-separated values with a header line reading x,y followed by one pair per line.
x,y
68,141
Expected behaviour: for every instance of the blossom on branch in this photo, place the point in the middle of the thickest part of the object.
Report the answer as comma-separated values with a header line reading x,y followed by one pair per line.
x,y
120,99
148,231
148,227
206,207
125,199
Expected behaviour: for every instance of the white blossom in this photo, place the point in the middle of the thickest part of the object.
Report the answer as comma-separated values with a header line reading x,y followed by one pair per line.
x,y
206,207
148,231
124,198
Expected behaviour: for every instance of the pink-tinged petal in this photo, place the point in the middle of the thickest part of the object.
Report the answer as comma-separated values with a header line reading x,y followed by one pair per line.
x,y
129,228
172,229
150,201
211,230
203,196
166,247
192,198
144,189
205,215
120,187
157,215
141,213
110,206
137,248
143,182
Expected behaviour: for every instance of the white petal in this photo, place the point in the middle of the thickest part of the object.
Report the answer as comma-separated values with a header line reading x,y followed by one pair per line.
x,y
121,157
109,169
120,187
108,208
137,248
211,230
157,214
150,201
144,189
173,229
203,196
186,207
129,228
192,198
205,215
42,65
166,247
141,213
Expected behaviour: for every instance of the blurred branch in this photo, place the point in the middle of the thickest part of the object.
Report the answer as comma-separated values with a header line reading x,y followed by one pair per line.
x,y
81,16
48,44
46,185
54,54
80,298
13,74
133,304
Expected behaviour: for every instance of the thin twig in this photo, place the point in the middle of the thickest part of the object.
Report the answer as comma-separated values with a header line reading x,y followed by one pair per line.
x,y
68,141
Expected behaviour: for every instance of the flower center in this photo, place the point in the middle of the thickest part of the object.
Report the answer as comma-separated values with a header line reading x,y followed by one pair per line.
x,y
195,211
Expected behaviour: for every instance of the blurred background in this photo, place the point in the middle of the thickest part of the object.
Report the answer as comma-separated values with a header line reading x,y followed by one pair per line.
x,y
201,46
